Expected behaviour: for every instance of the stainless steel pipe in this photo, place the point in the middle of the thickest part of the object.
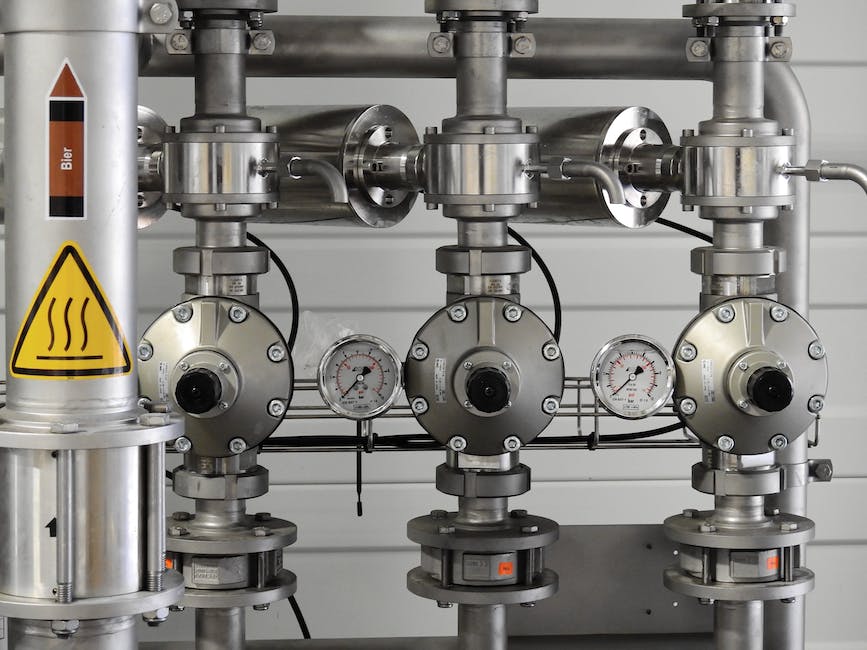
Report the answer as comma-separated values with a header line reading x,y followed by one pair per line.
x,y
738,626
482,627
220,629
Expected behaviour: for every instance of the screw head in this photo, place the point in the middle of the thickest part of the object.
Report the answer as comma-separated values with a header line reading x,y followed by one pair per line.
x,y
145,351
263,42
779,314
551,351
181,515
276,353
779,50
446,530
688,406
512,443
457,443
458,313
743,405
237,314
523,45
182,313
550,405
725,314
261,608
507,365
788,526
726,443
444,605
438,514
690,513
688,352
419,351
779,441
224,367
699,49
183,445
512,313
179,42
160,13
276,408
707,527
263,516
237,445
816,404
530,529
64,629
824,470
178,531
743,365
441,44
816,350
261,531
419,406
467,365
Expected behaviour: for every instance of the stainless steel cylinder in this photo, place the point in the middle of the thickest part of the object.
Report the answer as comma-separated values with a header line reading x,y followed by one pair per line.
x,y
482,627
347,137
738,626
220,629
610,136
104,634
39,43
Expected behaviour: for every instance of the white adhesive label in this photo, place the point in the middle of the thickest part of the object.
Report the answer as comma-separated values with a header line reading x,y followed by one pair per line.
x,y
707,381
163,382
440,393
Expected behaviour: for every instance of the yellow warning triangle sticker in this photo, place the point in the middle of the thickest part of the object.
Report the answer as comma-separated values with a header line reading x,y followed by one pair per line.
x,y
71,331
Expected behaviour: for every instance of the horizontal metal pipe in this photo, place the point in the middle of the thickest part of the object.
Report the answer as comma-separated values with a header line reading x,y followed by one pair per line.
x,y
377,46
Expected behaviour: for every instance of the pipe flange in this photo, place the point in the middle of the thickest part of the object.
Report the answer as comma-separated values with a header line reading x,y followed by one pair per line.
x,y
544,585
508,483
151,428
722,9
720,482
460,260
265,6
510,6
248,260
678,581
715,261
443,530
283,585
726,338
701,530
486,377
234,390
249,536
249,485
42,609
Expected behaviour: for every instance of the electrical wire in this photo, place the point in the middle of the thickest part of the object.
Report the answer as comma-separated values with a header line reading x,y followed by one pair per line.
x,y
552,285
290,284
305,631
685,230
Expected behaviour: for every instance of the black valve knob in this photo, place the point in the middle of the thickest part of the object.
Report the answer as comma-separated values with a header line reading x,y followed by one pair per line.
x,y
198,391
488,390
770,389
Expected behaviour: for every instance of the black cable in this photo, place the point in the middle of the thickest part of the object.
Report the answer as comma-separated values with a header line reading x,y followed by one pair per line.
x,y
290,284
552,285
305,631
685,230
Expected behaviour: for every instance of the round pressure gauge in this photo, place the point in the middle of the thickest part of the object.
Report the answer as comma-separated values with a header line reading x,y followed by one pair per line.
x,y
360,377
632,376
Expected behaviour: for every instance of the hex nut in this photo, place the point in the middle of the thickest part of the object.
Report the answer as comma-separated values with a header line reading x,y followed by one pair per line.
x,y
237,445
183,445
707,527
145,351
160,13
419,406
276,408
688,352
66,628
419,351
527,530
181,515
237,314
512,313
457,443
438,514
183,313
178,531
276,353
444,605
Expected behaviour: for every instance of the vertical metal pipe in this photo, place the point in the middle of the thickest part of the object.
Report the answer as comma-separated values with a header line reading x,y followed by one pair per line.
x,y
156,514
482,627
738,626
220,629
785,102
65,526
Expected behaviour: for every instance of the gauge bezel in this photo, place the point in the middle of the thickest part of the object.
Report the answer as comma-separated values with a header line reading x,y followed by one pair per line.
x,y
365,339
595,376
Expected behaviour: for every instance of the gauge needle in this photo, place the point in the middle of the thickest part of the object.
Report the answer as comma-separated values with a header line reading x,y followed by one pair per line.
x,y
639,370
364,372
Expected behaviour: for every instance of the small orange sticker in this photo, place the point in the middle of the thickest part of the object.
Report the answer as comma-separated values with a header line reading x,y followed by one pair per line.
x,y
774,563
506,568
170,564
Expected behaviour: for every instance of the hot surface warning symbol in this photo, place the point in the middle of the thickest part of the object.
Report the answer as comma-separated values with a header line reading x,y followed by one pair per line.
x,y
70,331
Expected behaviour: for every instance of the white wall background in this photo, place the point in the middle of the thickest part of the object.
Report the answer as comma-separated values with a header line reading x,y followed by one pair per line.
x,y
352,571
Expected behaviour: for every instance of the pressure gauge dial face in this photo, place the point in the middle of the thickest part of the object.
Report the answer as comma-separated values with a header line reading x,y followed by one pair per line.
x,y
360,377
632,376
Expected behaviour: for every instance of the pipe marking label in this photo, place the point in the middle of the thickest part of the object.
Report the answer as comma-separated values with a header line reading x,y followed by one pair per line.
x,y
71,331
67,105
